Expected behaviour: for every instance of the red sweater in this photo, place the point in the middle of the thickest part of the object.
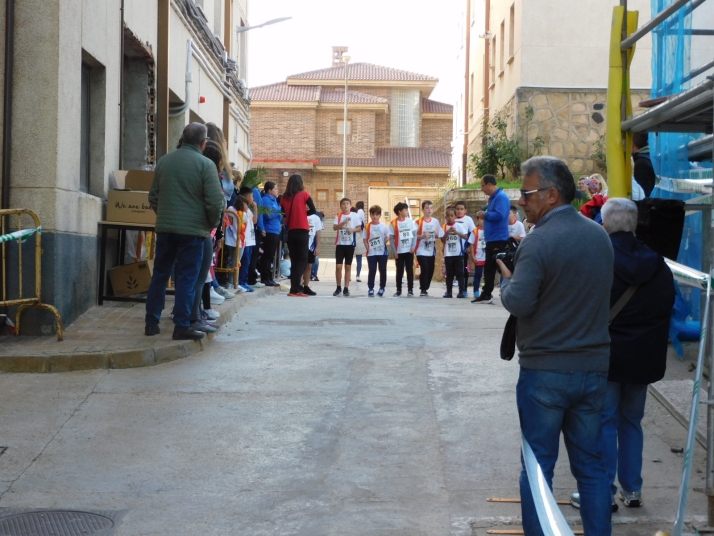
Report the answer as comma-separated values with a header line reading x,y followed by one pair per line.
x,y
296,211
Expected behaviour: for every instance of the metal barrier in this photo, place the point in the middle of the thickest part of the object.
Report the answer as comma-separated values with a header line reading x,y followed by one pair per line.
x,y
20,236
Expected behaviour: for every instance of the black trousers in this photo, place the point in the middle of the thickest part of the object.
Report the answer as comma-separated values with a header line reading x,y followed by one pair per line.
x,y
374,262
454,268
270,246
426,265
298,241
252,277
489,269
405,261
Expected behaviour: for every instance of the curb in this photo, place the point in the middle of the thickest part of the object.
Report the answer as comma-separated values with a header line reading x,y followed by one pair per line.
x,y
132,358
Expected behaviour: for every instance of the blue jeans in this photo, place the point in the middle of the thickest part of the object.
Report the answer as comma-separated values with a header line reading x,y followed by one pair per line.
x,y
201,279
186,253
245,266
550,402
622,439
478,272
315,267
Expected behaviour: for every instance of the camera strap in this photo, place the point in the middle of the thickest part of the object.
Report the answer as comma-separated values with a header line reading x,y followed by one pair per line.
x,y
622,302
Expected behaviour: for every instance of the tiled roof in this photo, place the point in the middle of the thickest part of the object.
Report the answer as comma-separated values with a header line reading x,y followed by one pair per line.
x,y
355,97
429,106
364,71
396,157
283,92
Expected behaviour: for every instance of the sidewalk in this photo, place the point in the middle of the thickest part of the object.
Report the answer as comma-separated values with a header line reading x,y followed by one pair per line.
x,y
111,336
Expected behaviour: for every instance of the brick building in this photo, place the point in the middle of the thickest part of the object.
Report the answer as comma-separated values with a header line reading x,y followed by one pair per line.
x,y
397,136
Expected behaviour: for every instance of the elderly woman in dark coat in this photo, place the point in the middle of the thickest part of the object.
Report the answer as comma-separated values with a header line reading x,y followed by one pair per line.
x,y
638,347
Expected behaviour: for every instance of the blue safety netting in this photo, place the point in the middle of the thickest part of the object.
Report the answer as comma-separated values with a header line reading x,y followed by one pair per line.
x,y
671,45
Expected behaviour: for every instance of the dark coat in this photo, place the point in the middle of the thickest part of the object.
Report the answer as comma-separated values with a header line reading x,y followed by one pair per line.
x,y
643,170
638,347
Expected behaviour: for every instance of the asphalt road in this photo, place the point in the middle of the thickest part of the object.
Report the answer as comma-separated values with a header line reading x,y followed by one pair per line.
x,y
334,416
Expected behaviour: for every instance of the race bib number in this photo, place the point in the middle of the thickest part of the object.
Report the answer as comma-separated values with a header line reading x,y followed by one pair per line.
x,y
252,233
405,236
452,244
375,240
312,229
345,237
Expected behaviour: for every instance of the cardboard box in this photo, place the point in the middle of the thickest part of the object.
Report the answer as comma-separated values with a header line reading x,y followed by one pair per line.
x,y
131,279
129,203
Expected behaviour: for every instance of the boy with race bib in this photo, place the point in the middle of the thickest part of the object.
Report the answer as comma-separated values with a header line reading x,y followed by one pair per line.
x,y
346,224
376,237
478,253
456,239
428,230
402,232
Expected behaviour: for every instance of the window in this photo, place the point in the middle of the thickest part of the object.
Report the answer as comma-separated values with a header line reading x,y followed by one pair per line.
x,y
340,127
405,117
338,196
378,183
321,195
493,61
512,31
411,184
85,131
502,62
471,95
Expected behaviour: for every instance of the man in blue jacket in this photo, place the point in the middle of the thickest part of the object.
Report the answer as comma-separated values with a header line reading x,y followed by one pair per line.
x,y
495,231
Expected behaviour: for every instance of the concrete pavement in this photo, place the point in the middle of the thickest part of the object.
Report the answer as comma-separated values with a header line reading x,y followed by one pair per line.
x,y
334,416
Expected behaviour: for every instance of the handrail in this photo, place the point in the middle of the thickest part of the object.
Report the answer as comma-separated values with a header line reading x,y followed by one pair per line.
x,y
650,25
20,236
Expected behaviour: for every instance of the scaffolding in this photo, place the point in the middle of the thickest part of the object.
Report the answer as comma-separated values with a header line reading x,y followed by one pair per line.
x,y
676,109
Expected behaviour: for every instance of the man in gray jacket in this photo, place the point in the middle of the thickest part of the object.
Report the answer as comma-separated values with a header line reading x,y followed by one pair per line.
x,y
562,337
187,198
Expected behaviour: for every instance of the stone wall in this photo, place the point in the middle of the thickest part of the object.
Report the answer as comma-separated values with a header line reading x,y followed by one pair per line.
x,y
570,122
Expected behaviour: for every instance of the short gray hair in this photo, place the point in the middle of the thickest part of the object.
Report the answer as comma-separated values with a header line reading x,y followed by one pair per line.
x,y
552,173
619,215
194,134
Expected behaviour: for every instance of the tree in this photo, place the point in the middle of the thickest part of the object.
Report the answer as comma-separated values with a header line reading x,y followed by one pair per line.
x,y
500,152
254,177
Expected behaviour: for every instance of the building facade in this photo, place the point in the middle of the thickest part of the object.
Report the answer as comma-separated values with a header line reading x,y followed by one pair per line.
x,y
396,135
549,57
102,86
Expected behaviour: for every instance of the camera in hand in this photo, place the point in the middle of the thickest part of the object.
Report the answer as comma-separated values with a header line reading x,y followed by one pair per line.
x,y
507,257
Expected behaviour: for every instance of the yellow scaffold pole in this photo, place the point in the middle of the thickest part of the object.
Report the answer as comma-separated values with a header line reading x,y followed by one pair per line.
x,y
618,147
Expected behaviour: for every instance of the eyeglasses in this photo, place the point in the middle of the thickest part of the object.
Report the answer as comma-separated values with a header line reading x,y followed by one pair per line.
x,y
526,193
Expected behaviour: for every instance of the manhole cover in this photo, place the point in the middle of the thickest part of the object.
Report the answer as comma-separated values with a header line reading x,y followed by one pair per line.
x,y
54,523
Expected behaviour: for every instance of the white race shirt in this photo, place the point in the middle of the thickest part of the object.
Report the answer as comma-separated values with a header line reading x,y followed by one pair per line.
x,y
479,244
376,235
345,237
469,225
249,228
407,235
455,245
315,224
427,247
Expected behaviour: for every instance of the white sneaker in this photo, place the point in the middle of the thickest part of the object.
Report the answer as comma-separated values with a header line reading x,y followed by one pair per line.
x,y
212,314
223,292
258,285
216,298
239,289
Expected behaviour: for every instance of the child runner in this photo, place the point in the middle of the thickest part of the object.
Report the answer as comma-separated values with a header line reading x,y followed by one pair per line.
x,y
478,253
359,249
455,238
428,230
376,236
402,232
315,224
461,216
346,224
516,230
250,218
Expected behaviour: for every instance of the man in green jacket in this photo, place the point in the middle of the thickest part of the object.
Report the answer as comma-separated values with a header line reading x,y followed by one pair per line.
x,y
187,198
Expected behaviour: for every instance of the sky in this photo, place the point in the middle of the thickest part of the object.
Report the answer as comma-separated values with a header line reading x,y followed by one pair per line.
x,y
414,35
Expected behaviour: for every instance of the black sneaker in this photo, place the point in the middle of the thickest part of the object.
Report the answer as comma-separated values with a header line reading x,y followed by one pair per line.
x,y
337,292
462,295
447,295
423,293
308,291
187,334
410,294
152,330
346,292
481,298
397,294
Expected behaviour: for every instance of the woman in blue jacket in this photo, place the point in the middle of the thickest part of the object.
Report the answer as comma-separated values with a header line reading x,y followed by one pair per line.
x,y
270,224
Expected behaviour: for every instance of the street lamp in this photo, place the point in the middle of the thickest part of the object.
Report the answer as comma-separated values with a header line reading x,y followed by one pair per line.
x,y
241,29
346,60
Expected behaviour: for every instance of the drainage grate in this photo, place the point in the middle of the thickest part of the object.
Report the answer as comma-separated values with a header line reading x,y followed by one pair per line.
x,y
54,523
